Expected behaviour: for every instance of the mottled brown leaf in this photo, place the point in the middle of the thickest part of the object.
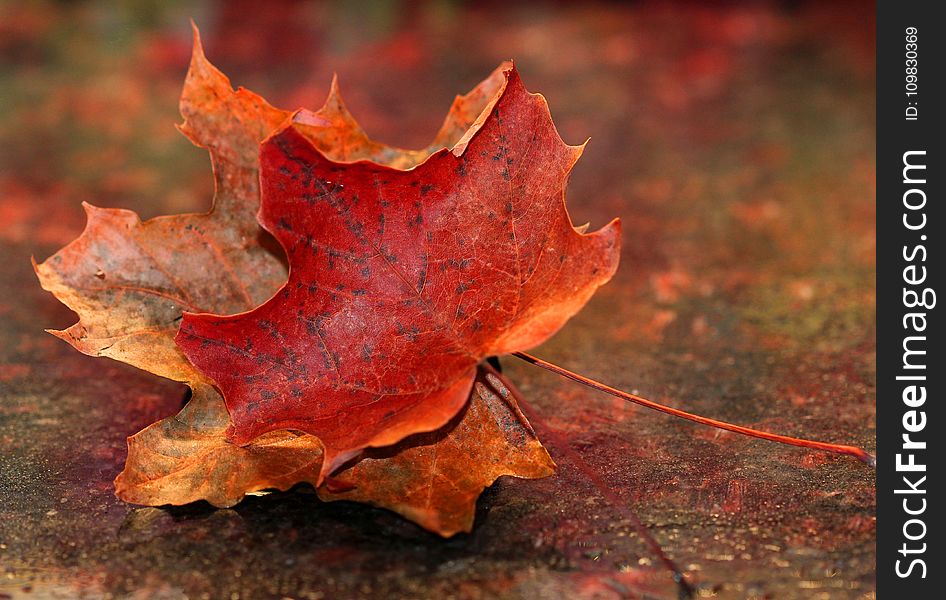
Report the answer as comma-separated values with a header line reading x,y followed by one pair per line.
x,y
129,281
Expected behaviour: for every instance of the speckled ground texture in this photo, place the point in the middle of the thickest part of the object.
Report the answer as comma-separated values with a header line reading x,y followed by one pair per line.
x,y
736,143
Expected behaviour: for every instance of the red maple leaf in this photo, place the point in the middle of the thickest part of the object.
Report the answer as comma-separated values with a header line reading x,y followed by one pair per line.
x,y
402,281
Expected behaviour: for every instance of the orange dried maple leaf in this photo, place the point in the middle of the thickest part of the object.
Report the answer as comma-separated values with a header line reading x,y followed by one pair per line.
x,y
128,283
401,282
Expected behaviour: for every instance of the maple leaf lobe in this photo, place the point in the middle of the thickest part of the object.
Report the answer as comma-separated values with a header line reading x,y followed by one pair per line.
x,y
187,457
130,280
434,479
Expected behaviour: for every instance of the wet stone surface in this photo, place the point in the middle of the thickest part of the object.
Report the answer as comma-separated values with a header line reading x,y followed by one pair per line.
x,y
737,146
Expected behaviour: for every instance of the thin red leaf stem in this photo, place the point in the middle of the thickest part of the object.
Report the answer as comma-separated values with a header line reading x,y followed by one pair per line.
x,y
857,453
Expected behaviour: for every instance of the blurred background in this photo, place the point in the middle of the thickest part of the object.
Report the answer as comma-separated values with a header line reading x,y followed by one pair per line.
x,y
734,139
